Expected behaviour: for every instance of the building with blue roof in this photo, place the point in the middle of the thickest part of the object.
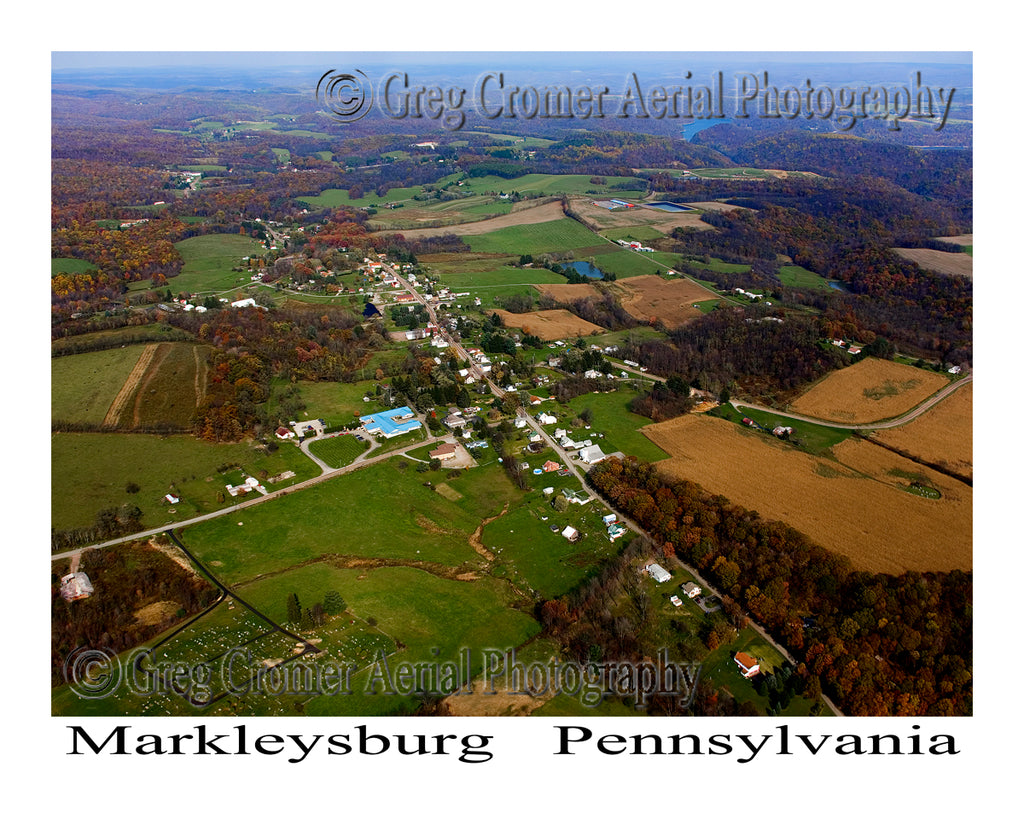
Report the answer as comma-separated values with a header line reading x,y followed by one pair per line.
x,y
392,422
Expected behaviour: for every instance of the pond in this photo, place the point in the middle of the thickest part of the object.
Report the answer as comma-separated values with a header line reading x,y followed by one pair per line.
x,y
671,207
585,269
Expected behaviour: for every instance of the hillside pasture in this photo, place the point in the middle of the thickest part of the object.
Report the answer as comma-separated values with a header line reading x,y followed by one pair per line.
x,y
651,298
856,505
557,235
549,325
939,261
870,390
521,214
208,262
83,386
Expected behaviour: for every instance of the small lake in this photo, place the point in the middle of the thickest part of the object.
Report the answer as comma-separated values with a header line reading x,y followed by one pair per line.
x,y
671,207
586,269
839,286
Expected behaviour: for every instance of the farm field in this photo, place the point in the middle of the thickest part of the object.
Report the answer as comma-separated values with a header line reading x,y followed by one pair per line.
x,y
335,197
528,215
335,402
857,505
549,325
70,266
553,184
612,418
383,511
91,470
568,292
83,386
939,261
423,214
870,390
644,218
483,279
628,263
547,236
942,436
208,263
796,276
650,297
749,173
171,388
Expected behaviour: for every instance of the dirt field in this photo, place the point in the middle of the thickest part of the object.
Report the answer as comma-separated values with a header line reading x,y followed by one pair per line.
x,y
870,390
527,216
962,239
855,506
649,297
720,207
943,435
568,292
549,325
659,220
949,264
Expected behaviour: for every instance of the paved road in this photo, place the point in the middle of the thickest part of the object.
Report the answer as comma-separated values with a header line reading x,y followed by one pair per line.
x,y
887,424
363,460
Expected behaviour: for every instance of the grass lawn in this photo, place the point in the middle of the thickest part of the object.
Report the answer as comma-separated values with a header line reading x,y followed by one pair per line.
x,y
70,266
91,471
83,386
208,263
559,235
810,437
793,275
338,451
382,511
612,418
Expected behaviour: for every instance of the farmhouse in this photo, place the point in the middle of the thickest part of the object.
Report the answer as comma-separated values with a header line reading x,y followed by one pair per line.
x,y
75,586
657,572
445,452
691,589
748,665
284,433
390,423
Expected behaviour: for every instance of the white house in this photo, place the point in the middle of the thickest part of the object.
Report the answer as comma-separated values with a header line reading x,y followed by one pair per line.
x,y
544,418
691,590
570,534
244,303
657,572
592,454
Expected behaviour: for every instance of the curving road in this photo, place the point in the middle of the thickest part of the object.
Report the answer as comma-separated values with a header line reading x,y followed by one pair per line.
x,y
899,420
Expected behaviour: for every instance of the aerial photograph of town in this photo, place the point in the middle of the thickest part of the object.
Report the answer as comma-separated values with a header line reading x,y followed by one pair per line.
x,y
631,384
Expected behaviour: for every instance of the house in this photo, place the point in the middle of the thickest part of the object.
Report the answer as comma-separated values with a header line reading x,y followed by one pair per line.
x,y
592,454
657,572
544,418
748,665
284,433
171,498
551,466
675,601
608,520
455,422
691,589
519,423
576,496
615,531
445,452
392,422
244,303
75,586
534,438
570,534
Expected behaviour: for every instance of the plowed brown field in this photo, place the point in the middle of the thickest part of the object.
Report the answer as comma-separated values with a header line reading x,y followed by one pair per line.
x,y
652,297
943,435
855,506
949,264
870,390
567,292
549,325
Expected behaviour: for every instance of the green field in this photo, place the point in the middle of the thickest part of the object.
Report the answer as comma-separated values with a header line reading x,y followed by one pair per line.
x,y
338,451
637,233
83,386
70,266
336,403
208,262
380,511
810,437
548,184
612,418
335,197
282,155
626,263
91,471
488,283
559,235
796,276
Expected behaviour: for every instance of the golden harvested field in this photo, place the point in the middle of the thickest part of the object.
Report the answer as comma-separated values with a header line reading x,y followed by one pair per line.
x,y
943,435
568,292
855,507
870,390
719,207
549,325
650,297
962,239
949,264
526,216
